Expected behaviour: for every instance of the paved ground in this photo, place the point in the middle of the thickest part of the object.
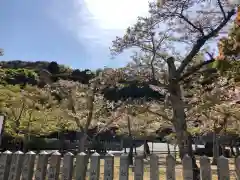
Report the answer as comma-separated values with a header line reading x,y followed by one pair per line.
x,y
157,147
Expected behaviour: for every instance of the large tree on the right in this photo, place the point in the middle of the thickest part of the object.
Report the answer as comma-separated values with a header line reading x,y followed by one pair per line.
x,y
171,38
230,44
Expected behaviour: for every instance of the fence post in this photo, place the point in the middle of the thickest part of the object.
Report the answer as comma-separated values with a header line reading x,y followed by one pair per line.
x,y
187,167
223,168
5,161
237,167
205,168
138,169
124,165
67,170
94,171
28,166
170,167
54,166
109,167
41,166
16,166
81,166
154,169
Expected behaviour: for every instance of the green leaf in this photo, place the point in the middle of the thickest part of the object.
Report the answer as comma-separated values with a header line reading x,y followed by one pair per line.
x,y
215,64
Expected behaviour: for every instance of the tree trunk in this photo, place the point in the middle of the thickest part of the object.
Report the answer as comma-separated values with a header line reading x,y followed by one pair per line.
x,y
25,143
168,148
215,149
223,151
62,142
146,149
130,155
237,150
184,139
175,151
82,141
232,151
196,144
82,136
135,150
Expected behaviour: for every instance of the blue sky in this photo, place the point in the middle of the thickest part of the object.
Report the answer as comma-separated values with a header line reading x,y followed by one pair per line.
x,y
77,33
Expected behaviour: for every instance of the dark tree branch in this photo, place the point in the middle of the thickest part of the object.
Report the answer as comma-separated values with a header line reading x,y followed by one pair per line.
x,y
161,40
191,24
195,68
149,49
201,41
181,16
142,47
222,10
171,69
154,51
153,57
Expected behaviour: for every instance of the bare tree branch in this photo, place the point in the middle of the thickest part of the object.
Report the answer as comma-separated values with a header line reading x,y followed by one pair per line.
x,y
222,10
201,41
194,69
191,24
153,57
155,48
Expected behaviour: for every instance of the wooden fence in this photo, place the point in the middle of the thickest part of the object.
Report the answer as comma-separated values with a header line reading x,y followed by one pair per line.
x,y
16,166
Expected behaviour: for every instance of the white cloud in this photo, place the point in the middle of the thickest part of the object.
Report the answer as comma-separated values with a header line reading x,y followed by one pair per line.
x,y
116,14
101,20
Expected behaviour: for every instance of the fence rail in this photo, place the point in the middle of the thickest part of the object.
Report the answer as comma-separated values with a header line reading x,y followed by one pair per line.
x,y
29,166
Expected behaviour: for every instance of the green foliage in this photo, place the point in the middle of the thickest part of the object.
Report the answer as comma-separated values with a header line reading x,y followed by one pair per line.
x,y
22,73
194,131
231,43
35,66
30,111
222,65
18,76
